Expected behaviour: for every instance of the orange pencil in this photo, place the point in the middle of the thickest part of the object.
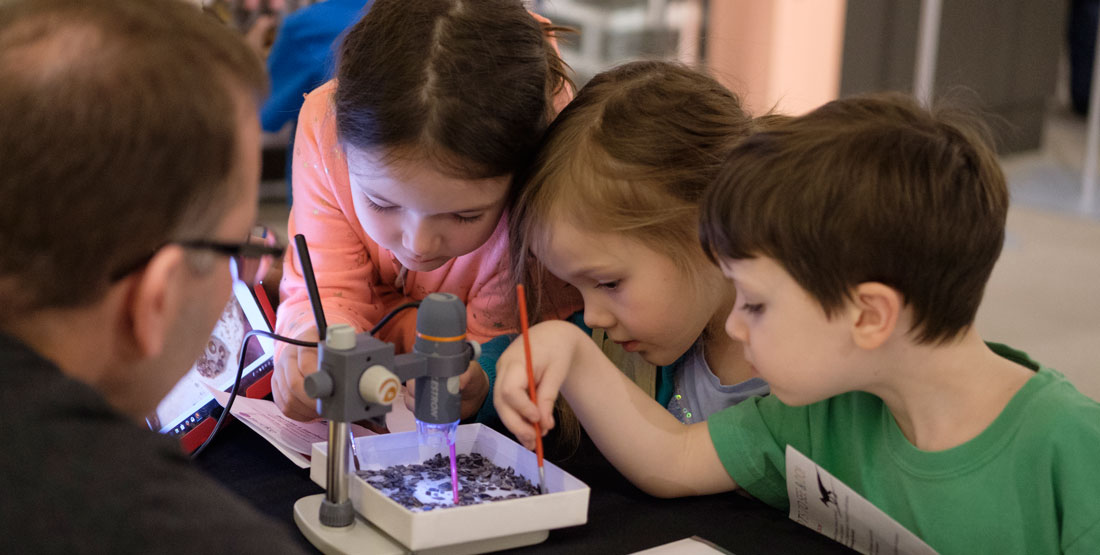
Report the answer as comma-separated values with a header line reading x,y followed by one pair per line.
x,y
531,381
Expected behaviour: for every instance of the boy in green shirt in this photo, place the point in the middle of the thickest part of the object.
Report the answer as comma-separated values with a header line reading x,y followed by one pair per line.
x,y
858,239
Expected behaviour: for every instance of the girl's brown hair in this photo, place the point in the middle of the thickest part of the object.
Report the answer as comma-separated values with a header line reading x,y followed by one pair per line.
x,y
467,85
631,155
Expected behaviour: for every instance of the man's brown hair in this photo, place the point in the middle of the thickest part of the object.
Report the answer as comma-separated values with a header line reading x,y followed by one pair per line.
x,y
869,189
118,128
469,85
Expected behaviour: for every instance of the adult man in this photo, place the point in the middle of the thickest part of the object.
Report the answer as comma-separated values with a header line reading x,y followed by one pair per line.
x,y
130,160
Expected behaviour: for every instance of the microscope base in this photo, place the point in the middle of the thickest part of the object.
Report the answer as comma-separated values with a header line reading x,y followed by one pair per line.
x,y
364,537
360,537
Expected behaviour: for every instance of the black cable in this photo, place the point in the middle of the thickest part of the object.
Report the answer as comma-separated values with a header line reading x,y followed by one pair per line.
x,y
237,381
385,319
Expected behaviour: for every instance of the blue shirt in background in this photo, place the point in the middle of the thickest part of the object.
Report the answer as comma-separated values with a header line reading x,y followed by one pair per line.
x,y
303,56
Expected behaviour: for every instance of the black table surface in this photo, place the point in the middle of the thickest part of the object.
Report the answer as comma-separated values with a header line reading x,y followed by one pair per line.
x,y
621,518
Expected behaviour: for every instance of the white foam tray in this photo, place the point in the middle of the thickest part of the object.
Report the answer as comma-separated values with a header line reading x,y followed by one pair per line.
x,y
483,527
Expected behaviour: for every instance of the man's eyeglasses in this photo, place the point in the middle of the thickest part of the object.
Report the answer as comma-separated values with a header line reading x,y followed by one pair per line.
x,y
249,261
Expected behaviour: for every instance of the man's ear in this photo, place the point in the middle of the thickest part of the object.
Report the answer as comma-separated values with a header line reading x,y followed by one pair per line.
x,y
156,300
878,308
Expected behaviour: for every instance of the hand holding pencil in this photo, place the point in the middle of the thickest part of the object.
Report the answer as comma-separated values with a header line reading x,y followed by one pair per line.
x,y
553,344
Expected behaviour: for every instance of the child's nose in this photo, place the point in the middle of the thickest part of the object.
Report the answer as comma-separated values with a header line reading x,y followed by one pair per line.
x,y
735,327
419,238
596,316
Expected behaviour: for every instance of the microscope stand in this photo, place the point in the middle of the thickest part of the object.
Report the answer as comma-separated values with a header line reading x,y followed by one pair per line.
x,y
360,537
364,537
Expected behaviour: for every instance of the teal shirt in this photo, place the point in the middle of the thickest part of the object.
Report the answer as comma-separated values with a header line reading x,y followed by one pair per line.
x,y
490,352
1028,484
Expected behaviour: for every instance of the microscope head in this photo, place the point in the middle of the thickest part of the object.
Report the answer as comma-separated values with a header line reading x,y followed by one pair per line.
x,y
441,340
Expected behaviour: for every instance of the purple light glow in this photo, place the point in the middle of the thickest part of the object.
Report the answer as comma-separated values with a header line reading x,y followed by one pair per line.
x,y
454,474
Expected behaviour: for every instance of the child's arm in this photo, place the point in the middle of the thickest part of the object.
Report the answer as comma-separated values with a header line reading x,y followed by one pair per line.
x,y
491,316
490,354
342,261
643,440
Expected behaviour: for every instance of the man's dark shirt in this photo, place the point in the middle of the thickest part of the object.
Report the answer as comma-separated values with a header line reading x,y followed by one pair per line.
x,y
76,476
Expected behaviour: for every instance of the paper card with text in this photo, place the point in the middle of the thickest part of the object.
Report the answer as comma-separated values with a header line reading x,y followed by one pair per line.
x,y
823,503
295,439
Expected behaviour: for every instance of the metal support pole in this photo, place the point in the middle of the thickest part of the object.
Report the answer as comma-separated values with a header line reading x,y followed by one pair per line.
x,y
928,42
337,478
1092,135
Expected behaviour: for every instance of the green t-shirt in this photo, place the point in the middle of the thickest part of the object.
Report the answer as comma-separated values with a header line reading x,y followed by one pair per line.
x,y
1028,484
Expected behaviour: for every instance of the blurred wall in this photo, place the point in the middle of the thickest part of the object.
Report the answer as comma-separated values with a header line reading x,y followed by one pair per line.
x,y
1006,52
782,54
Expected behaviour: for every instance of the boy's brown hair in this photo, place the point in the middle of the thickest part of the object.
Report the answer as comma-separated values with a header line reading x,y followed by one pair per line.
x,y
632,155
118,128
468,85
869,189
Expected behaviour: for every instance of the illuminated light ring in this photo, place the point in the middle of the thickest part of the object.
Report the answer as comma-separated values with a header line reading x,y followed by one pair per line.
x,y
441,339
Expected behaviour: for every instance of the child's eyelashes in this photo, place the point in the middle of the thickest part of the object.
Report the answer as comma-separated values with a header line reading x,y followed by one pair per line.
x,y
609,285
754,309
378,207
467,219
460,218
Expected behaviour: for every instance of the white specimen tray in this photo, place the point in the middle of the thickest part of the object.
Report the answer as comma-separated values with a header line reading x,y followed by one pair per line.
x,y
482,527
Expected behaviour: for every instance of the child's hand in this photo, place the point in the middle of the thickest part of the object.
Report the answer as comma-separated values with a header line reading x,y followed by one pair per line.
x,y
552,347
473,387
286,380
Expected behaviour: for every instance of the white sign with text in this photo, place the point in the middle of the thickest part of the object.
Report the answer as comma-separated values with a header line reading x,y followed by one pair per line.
x,y
823,503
